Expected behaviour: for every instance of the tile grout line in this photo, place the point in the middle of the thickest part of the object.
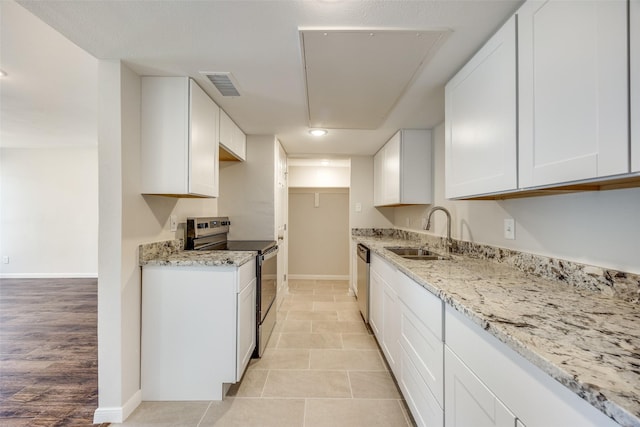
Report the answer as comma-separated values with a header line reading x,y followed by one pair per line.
x,y
204,414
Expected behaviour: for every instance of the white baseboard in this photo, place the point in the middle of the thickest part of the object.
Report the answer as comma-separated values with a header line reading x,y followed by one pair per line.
x,y
117,414
48,275
318,277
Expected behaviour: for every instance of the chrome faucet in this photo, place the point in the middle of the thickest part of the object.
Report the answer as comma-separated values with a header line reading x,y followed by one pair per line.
x,y
428,226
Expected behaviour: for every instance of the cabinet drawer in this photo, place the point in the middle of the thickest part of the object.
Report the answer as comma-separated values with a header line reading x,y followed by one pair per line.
x,y
386,271
423,405
424,305
424,350
246,273
469,401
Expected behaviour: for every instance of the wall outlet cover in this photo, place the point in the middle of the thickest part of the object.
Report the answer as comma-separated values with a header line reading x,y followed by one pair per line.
x,y
173,223
509,229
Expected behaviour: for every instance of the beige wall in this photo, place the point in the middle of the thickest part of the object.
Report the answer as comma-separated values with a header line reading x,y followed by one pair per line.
x,y
319,236
597,228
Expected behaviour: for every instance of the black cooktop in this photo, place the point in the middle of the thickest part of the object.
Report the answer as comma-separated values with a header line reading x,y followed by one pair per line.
x,y
250,245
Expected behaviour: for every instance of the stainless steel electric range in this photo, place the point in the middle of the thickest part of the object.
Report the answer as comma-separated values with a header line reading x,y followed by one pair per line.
x,y
210,233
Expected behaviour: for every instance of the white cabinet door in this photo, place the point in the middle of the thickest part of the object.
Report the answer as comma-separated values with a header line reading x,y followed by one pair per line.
x,y
421,335
573,91
246,326
376,290
424,407
226,130
532,394
385,309
240,142
421,377
378,172
203,142
480,120
634,29
179,138
391,328
391,171
468,401
232,139
402,169
188,357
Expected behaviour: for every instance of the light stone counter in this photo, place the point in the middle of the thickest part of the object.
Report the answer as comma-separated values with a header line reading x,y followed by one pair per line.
x,y
588,340
170,253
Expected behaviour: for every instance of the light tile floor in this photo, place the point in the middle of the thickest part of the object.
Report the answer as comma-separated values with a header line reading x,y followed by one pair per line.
x,y
322,367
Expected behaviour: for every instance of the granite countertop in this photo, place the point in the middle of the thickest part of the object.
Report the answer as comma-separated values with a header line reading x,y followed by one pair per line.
x,y
587,340
170,253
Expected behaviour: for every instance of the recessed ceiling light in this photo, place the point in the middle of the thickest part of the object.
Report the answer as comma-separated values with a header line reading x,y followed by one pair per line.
x,y
318,132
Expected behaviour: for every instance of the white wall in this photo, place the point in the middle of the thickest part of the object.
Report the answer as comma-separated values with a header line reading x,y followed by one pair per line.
x,y
247,191
597,228
319,176
49,211
361,191
127,219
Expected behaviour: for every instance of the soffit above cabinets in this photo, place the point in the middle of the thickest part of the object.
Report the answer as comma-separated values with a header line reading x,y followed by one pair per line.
x,y
355,77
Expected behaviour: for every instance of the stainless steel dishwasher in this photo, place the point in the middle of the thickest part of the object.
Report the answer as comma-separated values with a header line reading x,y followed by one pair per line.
x,y
363,281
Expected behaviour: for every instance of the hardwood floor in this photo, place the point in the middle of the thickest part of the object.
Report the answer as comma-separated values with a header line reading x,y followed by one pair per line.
x,y
48,352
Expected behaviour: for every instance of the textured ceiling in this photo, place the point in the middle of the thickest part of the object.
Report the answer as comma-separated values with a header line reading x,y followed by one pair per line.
x,y
259,42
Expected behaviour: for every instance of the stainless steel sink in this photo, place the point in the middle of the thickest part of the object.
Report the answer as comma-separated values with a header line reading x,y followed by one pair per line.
x,y
416,253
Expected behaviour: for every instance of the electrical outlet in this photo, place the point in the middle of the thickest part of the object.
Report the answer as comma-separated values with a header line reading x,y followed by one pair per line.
x,y
509,229
5,259
173,223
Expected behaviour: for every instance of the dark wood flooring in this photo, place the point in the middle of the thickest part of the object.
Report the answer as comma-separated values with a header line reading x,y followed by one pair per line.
x,y
48,352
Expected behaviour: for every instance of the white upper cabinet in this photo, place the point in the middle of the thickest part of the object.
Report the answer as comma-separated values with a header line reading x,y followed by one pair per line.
x,y
634,28
402,169
233,141
573,91
179,138
480,120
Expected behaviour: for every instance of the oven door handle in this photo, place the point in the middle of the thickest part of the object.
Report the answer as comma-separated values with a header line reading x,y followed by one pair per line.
x,y
272,253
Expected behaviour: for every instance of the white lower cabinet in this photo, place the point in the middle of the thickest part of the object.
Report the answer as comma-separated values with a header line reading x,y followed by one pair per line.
x,y
421,352
469,401
407,322
246,327
391,329
489,384
384,316
453,373
198,329
376,289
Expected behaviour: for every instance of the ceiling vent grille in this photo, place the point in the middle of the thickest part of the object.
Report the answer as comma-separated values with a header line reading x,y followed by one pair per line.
x,y
224,82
